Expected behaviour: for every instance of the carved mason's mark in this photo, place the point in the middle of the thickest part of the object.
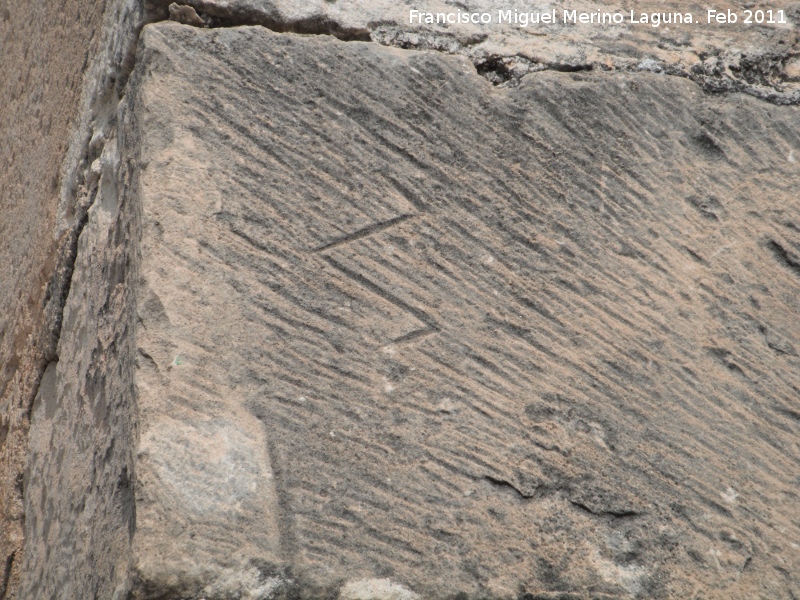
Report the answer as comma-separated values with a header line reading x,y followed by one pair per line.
x,y
430,324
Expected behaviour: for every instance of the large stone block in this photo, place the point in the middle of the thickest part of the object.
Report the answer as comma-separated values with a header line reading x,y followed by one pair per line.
x,y
306,317
402,332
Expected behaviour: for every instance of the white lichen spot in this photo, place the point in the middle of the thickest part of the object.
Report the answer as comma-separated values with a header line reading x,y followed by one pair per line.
x,y
729,495
446,406
488,259
715,554
247,584
791,157
388,388
601,442
375,589
627,576
648,64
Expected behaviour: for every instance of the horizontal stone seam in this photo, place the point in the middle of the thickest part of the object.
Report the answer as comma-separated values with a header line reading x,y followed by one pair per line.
x,y
494,67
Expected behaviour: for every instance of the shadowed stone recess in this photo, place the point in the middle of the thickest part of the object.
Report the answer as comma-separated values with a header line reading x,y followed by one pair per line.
x,y
401,333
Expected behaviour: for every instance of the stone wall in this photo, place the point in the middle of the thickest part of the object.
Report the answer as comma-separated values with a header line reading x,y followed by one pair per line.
x,y
45,53
307,301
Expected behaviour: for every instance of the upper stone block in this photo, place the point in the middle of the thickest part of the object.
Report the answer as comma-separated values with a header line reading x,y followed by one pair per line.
x,y
734,46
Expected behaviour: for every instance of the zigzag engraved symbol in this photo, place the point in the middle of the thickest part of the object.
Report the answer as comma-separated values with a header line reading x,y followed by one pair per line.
x,y
430,324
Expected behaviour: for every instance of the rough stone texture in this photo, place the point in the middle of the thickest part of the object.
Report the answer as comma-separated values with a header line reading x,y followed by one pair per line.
x,y
40,91
399,326
757,59
79,510
348,320
64,67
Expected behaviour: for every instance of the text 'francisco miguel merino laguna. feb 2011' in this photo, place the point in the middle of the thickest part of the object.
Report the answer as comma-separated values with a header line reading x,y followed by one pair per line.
x,y
575,17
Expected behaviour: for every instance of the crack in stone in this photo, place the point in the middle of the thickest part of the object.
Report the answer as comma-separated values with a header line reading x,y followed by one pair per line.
x,y
617,514
503,483
783,256
206,14
7,574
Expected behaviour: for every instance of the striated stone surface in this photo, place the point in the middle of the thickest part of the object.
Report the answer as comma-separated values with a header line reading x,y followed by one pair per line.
x,y
288,316
400,332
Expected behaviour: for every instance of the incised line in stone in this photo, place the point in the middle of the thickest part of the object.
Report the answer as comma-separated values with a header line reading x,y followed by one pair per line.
x,y
430,324
361,233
